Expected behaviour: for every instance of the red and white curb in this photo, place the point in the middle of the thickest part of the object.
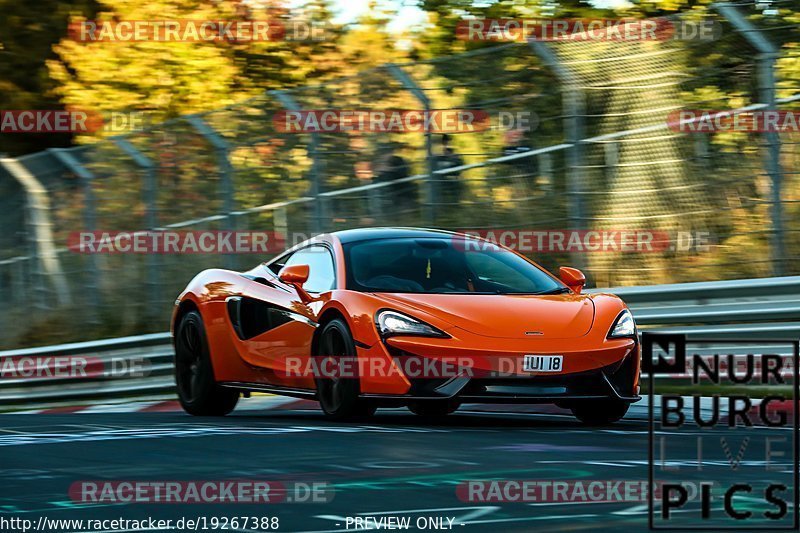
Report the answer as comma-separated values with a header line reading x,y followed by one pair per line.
x,y
255,403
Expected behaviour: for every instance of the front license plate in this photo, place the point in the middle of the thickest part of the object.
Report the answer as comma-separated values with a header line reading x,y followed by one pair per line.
x,y
543,363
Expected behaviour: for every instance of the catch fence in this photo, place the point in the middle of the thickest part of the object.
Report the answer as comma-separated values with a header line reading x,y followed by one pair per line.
x,y
581,138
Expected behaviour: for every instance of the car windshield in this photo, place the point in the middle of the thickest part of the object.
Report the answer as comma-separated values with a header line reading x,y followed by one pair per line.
x,y
442,265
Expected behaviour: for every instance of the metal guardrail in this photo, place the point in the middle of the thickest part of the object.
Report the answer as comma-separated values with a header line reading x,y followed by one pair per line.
x,y
758,308
146,362
719,308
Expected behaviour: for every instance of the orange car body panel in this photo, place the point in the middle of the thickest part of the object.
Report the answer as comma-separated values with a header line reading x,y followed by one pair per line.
x,y
481,327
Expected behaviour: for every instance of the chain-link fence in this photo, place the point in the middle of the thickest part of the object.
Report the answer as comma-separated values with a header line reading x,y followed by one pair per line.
x,y
600,155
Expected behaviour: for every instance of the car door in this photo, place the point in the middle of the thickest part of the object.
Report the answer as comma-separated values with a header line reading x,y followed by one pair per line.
x,y
275,326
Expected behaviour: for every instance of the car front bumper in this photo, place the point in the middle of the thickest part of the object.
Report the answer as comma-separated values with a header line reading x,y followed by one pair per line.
x,y
592,369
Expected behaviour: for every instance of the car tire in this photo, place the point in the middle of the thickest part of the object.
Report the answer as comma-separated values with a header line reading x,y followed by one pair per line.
x,y
600,413
434,408
339,396
198,392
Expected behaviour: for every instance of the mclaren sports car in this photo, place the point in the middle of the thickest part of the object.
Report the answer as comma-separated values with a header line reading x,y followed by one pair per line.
x,y
401,317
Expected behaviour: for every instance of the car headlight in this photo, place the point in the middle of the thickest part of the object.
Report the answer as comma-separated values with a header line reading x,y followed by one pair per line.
x,y
395,323
624,326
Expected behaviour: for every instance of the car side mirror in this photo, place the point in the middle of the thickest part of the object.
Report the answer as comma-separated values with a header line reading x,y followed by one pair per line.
x,y
296,275
572,278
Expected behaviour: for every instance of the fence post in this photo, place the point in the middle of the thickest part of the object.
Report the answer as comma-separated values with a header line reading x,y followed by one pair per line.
x,y
90,223
432,185
149,195
44,250
319,215
767,54
574,104
611,156
701,150
18,286
280,225
545,164
221,148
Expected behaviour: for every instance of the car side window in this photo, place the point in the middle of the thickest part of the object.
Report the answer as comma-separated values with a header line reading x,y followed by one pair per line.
x,y
279,263
321,276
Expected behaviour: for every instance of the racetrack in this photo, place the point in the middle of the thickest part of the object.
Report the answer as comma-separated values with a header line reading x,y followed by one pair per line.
x,y
393,464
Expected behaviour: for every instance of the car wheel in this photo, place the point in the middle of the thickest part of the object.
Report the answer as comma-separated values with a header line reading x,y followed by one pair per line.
x,y
434,408
198,393
338,396
600,413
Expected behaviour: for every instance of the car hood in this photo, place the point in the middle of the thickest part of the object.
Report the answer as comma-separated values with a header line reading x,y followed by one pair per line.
x,y
561,316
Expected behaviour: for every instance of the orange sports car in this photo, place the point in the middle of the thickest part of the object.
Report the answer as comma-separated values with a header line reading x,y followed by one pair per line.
x,y
402,317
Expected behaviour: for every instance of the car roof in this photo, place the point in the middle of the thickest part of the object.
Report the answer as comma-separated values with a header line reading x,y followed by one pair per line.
x,y
366,234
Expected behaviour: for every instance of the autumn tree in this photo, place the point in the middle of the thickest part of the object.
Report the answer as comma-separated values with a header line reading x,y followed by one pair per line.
x,y
28,31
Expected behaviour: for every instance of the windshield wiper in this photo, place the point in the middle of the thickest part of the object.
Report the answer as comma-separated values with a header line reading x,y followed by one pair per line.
x,y
559,290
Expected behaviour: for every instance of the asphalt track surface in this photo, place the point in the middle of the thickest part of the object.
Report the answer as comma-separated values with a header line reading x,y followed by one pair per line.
x,y
394,464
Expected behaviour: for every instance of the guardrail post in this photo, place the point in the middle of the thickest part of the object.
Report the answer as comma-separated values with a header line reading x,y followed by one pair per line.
x,y
221,147
767,55
90,224
149,195
319,215
574,112
432,185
